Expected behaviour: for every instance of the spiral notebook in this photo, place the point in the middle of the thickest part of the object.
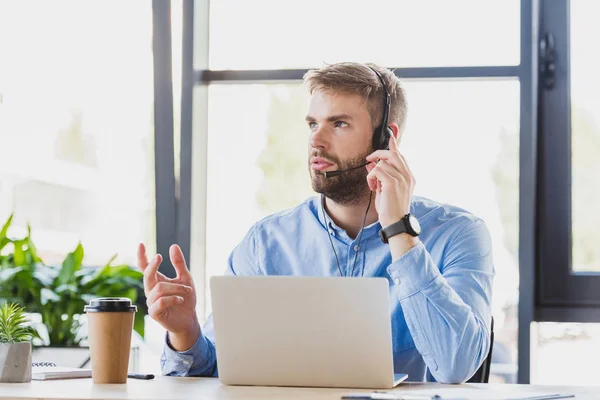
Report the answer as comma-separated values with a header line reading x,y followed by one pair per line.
x,y
42,371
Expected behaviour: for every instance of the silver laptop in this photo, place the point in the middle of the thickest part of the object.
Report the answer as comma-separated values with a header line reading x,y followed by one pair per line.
x,y
303,331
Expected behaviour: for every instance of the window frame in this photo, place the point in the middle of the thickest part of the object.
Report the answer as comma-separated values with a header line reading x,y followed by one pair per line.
x,y
562,294
548,290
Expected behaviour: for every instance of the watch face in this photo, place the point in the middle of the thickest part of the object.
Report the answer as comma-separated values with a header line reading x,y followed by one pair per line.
x,y
414,224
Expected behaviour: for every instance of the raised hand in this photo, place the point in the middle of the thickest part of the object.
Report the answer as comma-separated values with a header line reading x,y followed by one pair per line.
x,y
393,183
171,301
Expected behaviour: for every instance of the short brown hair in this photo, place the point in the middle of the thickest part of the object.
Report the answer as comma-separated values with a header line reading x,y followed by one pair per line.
x,y
357,78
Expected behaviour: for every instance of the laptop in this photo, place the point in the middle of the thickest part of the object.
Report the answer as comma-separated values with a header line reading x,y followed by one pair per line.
x,y
303,331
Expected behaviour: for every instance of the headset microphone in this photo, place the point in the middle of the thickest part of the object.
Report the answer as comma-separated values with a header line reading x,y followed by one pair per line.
x,y
331,174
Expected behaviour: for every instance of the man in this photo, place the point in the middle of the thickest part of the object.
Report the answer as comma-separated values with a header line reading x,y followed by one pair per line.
x,y
440,280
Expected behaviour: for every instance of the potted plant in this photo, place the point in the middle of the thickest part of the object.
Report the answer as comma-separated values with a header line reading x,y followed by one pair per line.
x,y
15,345
58,293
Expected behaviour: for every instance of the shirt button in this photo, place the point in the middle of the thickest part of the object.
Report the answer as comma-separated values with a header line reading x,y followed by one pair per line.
x,y
397,281
186,362
356,248
331,231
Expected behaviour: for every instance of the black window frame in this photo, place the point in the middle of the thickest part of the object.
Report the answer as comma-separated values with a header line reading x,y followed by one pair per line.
x,y
562,294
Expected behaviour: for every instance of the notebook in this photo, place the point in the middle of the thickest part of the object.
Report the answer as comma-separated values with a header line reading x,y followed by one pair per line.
x,y
44,371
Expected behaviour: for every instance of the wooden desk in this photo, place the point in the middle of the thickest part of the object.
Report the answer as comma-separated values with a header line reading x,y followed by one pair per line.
x,y
171,388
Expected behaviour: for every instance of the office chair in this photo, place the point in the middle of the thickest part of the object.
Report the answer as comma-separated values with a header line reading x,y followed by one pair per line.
x,y
483,373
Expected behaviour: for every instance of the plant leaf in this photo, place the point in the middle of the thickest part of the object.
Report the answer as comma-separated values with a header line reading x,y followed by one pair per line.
x,y
7,273
65,288
71,264
111,260
4,230
31,247
12,324
88,297
126,270
4,240
45,275
139,323
18,253
48,295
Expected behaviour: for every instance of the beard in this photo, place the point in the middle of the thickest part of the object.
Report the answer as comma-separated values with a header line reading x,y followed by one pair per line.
x,y
349,188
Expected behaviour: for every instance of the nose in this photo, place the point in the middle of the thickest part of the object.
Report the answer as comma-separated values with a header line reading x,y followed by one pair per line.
x,y
319,138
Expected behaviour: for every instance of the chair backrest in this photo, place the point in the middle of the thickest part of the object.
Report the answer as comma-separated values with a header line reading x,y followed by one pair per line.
x,y
483,373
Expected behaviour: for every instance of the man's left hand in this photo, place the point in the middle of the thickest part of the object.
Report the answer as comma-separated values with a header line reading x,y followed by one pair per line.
x,y
393,183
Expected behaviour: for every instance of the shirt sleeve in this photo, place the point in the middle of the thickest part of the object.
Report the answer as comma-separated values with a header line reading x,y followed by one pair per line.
x,y
201,359
448,309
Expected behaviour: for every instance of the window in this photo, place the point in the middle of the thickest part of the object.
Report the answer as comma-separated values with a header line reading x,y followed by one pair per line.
x,y
585,136
280,35
76,126
569,261
461,141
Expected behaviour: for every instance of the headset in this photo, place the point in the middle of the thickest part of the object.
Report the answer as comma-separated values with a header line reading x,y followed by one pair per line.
x,y
381,138
383,133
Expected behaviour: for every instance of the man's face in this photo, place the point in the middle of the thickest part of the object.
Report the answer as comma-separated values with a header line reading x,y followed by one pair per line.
x,y
341,138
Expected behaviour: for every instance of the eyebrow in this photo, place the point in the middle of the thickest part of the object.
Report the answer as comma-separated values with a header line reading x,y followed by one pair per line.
x,y
332,118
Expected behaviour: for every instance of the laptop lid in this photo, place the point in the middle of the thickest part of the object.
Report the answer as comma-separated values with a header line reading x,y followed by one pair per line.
x,y
303,331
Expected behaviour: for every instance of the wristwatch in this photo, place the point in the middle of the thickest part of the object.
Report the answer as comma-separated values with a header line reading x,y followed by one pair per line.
x,y
409,224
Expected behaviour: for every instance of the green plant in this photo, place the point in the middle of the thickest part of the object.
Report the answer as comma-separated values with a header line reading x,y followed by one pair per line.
x,y
12,324
59,293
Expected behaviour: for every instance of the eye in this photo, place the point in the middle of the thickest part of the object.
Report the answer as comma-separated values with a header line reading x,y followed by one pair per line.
x,y
340,124
312,125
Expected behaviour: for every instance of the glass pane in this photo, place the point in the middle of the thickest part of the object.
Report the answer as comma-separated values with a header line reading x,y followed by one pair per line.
x,y
76,126
585,136
556,344
273,34
461,142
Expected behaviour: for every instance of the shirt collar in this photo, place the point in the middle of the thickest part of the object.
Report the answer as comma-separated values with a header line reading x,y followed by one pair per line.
x,y
332,227
319,210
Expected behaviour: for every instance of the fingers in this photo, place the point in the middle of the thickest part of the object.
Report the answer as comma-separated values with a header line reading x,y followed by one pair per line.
x,y
178,261
387,167
370,166
141,257
392,144
394,158
160,307
151,274
166,289
381,174
387,155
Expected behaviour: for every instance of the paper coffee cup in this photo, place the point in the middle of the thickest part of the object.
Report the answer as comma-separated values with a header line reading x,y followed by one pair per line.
x,y
110,323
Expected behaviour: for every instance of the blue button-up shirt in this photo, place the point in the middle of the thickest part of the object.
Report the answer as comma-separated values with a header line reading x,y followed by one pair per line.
x,y
440,290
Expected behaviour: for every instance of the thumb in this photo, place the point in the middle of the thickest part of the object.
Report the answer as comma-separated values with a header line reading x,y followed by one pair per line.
x,y
178,261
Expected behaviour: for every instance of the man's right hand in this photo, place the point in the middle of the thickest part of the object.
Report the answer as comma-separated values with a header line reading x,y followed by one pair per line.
x,y
171,301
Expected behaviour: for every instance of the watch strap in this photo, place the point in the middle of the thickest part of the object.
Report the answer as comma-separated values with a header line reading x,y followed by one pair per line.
x,y
394,229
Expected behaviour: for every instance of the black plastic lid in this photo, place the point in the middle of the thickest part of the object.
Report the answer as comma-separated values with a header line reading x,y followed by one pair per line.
x,y
110,304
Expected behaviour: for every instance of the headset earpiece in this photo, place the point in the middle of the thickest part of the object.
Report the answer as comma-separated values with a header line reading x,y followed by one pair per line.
x,y
388,135
383,133
381,138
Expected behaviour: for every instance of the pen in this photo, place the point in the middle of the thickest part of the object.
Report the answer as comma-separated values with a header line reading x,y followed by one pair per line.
x,y
140,376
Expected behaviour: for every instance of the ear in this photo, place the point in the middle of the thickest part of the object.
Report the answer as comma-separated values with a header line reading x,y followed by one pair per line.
x,y
396,130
